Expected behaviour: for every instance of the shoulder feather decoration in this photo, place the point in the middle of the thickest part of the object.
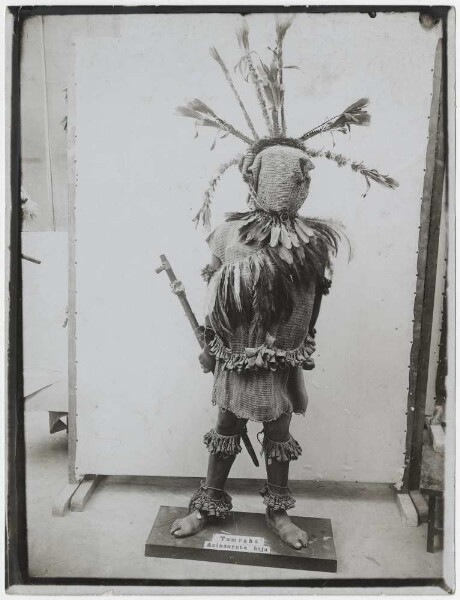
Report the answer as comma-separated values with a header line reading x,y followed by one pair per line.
x,y
288,254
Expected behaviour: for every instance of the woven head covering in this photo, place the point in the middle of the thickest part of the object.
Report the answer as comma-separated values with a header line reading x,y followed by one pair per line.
x,y
278,178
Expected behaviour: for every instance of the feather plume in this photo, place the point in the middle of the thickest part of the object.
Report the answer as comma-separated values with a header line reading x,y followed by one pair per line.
x,y
237,286
275,234
204,214
285,237
216,56
205,116
199,106
256,264
282,24
242,35
300,232
285,255
270,79
294,238
367,173
352,115
300,254
305,228
212,290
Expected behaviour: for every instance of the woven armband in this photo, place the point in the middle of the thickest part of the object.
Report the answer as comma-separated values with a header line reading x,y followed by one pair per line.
x,y
324,285
281,451
224,446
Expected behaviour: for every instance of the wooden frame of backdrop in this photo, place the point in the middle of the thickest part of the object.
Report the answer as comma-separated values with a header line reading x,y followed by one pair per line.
x,y
78,490
427,264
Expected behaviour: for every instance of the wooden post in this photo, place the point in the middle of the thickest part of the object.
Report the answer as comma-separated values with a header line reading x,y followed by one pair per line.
x,y
179,290
84,492
426,279
49,169
16,566
72,307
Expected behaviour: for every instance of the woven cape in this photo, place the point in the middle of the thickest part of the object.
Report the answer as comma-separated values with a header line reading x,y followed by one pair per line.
x,y
263,394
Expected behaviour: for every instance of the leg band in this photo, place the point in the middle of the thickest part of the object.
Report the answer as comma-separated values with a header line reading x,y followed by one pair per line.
x,y
213,507
281,451
223,445
280,499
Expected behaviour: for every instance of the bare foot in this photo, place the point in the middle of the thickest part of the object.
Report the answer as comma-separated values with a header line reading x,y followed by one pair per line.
x,y
189,525
285,529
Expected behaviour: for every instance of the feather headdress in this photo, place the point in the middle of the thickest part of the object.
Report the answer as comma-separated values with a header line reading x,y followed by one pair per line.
x,y
267,81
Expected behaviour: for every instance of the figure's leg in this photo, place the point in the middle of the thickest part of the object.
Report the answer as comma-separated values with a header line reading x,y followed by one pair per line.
x,y
210,500
279,448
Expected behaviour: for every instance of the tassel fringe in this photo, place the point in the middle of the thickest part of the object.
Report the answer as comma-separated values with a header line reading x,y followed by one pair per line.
x,y
266,357
275,501
281,451
202,501
207,272
223,445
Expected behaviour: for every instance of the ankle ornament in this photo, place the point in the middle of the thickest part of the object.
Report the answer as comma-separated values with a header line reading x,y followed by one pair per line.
x,y
278,499
211,507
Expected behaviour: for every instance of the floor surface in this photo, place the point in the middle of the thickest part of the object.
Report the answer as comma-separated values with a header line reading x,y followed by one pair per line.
x,y
107,539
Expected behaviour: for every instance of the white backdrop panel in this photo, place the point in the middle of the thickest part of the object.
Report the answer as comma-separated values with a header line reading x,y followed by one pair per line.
x,y
142,402
44,302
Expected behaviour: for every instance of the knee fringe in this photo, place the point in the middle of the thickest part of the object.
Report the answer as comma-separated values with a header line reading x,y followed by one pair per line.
x,y
276,501
281,451
223,445
213,507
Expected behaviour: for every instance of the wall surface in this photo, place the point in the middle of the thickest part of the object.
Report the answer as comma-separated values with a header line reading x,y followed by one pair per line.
x,y
43,112
46,71
142,402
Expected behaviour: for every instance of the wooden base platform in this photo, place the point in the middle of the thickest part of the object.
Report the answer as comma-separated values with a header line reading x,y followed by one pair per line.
x,y
244,539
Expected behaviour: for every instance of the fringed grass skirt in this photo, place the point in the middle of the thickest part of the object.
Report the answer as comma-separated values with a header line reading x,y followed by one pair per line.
x,y
263,394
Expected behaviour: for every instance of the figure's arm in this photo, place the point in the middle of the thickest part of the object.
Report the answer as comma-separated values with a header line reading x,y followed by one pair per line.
x,y
207,360
322,288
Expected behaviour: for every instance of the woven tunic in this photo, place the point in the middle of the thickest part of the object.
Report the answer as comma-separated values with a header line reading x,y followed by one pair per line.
x,y
261,395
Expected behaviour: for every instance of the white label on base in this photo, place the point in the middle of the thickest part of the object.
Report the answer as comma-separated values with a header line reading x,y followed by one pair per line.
x,y
236,547
226,538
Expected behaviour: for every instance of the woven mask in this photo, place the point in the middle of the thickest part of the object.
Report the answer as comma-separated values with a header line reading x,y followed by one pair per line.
x,y
278,178
277,175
